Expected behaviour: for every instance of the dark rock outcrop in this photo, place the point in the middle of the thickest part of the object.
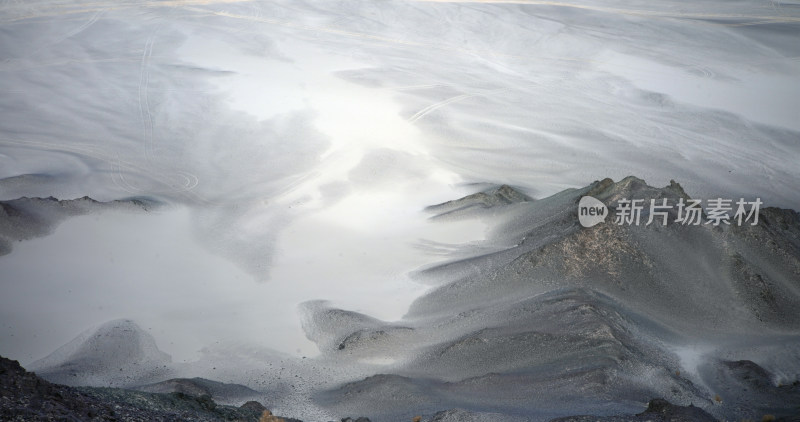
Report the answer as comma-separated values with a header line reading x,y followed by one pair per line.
x,y
470,204
26,397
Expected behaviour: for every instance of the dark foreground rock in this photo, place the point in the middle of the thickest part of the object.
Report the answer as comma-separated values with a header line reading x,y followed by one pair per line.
x,y
26,397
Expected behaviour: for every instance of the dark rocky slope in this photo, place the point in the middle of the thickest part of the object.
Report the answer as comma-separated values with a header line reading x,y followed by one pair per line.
x,y
573,320
26,397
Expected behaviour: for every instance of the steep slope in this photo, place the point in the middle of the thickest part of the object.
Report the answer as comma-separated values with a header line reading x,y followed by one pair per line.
x,y
599,320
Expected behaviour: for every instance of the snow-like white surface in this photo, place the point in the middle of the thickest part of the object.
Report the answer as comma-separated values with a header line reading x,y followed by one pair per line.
x,y
148,267
300,140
